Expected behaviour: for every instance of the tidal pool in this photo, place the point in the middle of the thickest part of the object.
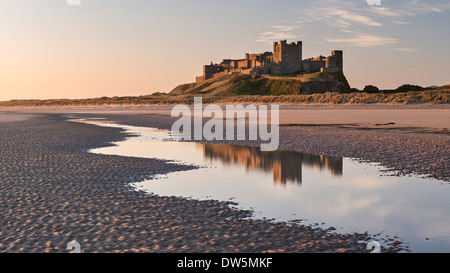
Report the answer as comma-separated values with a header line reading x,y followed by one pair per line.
x,y
349,195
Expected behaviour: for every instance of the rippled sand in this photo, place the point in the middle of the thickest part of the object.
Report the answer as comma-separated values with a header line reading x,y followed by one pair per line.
x,y
52,192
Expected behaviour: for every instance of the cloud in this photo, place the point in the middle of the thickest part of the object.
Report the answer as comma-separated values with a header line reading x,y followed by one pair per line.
x,y
279,32
418,7
384,11
348,18
345,14
269,37
406,49
342,15
364,40
285,28
368,24
402,23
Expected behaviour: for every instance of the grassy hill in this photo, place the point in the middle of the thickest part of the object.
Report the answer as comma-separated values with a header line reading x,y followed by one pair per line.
x,y
237,84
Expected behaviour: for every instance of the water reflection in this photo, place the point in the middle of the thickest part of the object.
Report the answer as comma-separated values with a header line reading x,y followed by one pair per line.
x,y
286,166
358,200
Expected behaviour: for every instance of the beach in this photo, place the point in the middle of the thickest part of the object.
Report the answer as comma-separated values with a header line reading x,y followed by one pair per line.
x,y
410,139
53,191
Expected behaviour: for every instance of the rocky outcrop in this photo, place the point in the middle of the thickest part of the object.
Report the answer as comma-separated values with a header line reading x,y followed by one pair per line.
x,y
238,84
323,87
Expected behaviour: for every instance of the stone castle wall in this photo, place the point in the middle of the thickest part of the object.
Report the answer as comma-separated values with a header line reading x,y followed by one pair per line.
x,y
312,66
285,59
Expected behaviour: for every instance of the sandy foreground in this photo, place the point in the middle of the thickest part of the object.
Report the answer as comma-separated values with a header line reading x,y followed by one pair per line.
x,y
53,191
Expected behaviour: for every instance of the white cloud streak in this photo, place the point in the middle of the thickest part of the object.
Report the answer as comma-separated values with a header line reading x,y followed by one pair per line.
x,y
279,32
348,18
365,40
406,49
361,22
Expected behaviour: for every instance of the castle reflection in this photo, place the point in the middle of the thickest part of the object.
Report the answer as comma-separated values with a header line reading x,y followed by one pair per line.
x,y
286,166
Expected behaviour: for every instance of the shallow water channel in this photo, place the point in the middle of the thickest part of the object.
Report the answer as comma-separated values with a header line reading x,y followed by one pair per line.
x,y
341,192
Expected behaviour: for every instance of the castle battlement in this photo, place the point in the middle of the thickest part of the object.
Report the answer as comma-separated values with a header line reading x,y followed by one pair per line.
x,y
286,58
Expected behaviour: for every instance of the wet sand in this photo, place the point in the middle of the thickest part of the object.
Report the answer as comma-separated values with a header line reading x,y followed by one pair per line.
x,y
13,116
421,149
420,116
52,191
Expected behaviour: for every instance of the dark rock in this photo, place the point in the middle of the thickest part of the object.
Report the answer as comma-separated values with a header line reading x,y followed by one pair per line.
x,y
409,87
371,89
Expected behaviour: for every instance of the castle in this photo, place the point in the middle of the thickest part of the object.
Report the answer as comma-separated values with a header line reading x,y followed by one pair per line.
x,y
286,58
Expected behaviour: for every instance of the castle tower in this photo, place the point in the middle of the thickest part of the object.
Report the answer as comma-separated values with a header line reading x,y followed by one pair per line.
x,y
287,52
336,61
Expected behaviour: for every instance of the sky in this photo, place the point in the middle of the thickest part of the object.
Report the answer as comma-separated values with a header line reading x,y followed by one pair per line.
x,y
52,49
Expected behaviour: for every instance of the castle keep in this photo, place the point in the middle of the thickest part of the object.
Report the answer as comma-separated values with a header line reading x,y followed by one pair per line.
x,y
286,58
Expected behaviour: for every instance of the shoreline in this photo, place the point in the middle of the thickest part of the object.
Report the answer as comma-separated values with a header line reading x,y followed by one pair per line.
x,y
407,150
436,117
414,144
62,193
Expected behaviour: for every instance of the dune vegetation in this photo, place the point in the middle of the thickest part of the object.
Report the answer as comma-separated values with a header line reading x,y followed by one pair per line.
x,y
319,88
